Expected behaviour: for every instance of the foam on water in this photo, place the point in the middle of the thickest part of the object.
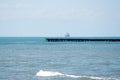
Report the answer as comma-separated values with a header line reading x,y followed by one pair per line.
x,y
43,73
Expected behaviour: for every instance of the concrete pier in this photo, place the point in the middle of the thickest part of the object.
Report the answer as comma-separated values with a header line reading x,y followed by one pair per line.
x,y
82,39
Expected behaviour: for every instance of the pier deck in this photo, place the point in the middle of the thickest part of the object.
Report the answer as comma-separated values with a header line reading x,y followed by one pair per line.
x,y
82,39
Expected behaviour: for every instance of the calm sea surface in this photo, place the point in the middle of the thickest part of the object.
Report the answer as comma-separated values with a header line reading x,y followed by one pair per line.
x,y
35,59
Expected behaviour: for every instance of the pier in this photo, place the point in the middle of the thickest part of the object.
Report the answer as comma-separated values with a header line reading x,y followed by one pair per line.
x,y
82,39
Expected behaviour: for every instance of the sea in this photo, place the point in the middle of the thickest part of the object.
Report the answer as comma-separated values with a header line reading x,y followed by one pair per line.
x,y
33,58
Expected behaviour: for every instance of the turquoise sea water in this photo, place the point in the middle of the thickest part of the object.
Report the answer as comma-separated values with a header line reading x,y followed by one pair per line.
x,y
35,59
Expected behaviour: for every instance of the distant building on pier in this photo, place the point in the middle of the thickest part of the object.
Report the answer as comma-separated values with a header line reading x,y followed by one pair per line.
x,y
67,35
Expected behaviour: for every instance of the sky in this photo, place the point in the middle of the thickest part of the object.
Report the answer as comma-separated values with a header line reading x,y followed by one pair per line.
x,y
41,18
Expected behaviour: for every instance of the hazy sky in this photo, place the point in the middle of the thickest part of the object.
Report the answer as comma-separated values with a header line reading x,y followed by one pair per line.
x,y
56,17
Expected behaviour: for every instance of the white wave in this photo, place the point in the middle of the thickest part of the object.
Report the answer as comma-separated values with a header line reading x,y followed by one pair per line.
x,y
43,73
48,73
91,77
